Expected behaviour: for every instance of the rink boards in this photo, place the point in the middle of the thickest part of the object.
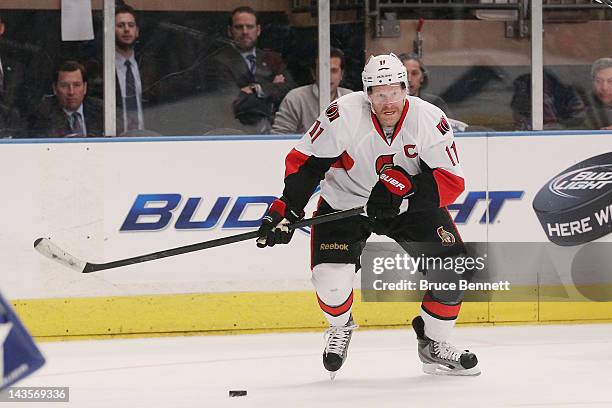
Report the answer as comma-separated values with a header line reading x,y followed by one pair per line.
x,y
103,200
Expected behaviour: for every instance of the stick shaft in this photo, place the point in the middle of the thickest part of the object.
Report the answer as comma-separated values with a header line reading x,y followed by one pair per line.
x,y
93,267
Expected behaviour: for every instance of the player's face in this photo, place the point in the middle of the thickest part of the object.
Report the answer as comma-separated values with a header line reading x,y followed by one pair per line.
x,y
415,76
126,30
244,31
388,102
70,89
602,85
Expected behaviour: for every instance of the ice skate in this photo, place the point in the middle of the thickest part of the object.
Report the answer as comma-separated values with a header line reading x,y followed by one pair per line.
x,y
336,346
441,358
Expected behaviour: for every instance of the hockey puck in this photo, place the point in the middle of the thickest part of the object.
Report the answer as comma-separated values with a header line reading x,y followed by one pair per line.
x,y
575,206
237,393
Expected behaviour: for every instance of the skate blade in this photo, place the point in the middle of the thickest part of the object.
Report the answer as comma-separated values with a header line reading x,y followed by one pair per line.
x,y
332,375
438,369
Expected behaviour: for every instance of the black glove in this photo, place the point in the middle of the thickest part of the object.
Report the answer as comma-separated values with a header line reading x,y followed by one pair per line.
x,y
274,228
393,185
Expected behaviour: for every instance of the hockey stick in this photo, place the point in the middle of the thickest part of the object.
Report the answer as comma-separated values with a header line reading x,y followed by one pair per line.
x,y
52,251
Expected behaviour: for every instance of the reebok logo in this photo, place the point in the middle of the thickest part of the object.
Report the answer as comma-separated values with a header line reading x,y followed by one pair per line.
x,y
334,246
388,179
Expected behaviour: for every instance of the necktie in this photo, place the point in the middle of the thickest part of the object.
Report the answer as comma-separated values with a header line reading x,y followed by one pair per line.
x,y
131,105
76,126
252,63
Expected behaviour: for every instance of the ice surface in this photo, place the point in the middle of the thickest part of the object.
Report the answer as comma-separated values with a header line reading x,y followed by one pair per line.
x,y
523,366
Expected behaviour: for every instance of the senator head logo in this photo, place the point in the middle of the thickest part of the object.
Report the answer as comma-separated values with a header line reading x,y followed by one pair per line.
x,y
447,238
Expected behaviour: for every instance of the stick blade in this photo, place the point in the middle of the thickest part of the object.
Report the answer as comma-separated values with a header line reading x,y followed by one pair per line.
x,y
52,251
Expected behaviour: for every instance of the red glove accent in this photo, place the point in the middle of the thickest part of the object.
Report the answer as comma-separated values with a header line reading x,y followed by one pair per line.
x,y
397,181
279,207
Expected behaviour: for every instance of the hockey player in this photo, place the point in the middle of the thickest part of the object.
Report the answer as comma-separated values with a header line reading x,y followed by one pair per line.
x,y
394,153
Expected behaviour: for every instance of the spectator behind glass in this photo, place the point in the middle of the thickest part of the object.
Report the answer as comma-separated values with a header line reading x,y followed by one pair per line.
x,y
253,81
300,108
599,109
12,73
128,82
68,113
563,107
418,78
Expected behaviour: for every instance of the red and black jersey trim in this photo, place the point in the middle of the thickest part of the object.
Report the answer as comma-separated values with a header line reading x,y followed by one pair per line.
x,y
337,310
450,186
440,310
294,160
303,173
437,188
398,126
345,162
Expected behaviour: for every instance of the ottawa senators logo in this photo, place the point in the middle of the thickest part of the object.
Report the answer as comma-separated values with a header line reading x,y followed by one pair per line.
x,y
332,112
447,238
443,126
383,163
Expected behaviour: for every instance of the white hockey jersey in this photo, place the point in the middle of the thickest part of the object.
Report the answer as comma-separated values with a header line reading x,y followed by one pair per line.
x,y
347,146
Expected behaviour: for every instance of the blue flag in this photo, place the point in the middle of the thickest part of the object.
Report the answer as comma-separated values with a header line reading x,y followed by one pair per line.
x,y
19,356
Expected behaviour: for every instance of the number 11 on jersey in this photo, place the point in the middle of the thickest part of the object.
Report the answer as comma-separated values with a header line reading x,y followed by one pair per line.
x,y
450,155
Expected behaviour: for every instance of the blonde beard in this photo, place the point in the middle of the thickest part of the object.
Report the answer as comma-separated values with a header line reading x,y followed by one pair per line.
x,y
375,114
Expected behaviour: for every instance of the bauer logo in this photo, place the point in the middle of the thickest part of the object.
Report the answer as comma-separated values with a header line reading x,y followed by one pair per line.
x,y
575,207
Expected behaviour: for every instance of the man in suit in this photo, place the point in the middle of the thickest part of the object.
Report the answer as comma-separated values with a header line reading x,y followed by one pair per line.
x,y
128,79
247,82
69,113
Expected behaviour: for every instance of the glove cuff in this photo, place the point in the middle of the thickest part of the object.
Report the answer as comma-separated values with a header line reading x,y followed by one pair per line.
x,y
282,207
398,181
